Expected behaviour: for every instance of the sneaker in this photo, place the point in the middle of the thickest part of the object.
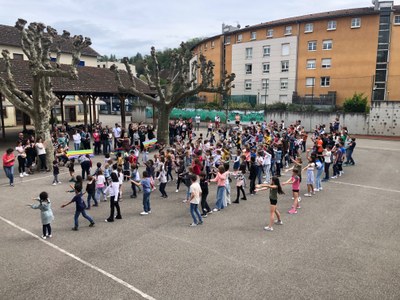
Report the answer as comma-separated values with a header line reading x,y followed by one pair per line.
x,y
215,209
143,213
108,220
43,237
268,228
313,193
292,211
54,183
59,182
316,190
307,195
12,184
298,206
243,198
333,177
25,174
200,223
184,201
278,222
204,215
21,175
49,236
177,191
149,212
237,201
299,199
91,224
75,228
193,225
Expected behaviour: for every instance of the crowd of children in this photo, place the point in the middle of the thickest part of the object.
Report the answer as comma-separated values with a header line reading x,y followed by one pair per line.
x,y
258,154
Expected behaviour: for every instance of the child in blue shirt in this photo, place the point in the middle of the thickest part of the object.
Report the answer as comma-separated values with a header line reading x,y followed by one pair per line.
x,y
147,185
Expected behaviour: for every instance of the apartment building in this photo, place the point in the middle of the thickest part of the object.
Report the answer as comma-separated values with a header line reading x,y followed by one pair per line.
x,y
323,58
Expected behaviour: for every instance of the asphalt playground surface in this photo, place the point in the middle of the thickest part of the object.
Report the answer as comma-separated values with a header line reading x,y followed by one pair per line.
x,y
343,244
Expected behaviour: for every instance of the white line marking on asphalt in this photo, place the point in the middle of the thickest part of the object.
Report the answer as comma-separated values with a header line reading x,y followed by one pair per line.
x,y
365,186
109,275
16,181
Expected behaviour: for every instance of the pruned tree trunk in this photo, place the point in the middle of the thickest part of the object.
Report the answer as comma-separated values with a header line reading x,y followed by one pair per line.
x,y
42,130
163,124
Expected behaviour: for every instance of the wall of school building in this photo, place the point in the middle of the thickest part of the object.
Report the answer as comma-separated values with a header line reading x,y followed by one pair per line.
x,y
383,119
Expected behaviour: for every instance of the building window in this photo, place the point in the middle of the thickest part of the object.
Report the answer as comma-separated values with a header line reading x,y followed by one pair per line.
x,y
397,20
325,81
247,84
356,23
227,40
239,38
249,68
253,35
312,46
283,98
310,81
311,64
266,51
284,83
284,66
288,30
326,63
265,84
265,67
327,45
249,53
285,49
17,56
205,46
81,63
212,44
270,33
309,27
331,25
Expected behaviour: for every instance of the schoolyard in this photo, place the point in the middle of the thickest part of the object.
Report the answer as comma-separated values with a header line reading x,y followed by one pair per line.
x,y
343,244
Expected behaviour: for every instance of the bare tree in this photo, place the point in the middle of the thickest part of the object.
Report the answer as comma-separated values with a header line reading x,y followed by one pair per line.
x,y
38,42
187,77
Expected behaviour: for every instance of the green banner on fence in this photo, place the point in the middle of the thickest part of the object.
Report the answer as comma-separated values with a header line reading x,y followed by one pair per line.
x,y
206,115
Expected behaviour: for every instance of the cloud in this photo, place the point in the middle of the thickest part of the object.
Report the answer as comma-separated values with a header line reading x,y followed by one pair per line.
x,y
126,27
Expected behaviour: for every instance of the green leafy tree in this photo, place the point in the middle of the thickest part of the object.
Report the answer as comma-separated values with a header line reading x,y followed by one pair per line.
x,y
357,103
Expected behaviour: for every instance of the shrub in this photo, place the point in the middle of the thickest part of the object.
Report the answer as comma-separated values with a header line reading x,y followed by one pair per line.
x,y
357,103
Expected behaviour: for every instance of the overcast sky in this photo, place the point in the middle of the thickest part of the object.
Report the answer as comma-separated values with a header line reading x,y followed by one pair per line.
x,y
127,27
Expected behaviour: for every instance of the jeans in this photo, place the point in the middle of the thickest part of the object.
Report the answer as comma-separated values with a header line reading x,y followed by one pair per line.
x,y
84,214
259,174
238,190
97,147
194,210
278,168
77,146
46,229
9,173
146,201
133,186
85,168
349,157
326,168
318,178
162,188
43,165
106,147
21,164
99,192
55,178
204,205
220,197
91,196
267,171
